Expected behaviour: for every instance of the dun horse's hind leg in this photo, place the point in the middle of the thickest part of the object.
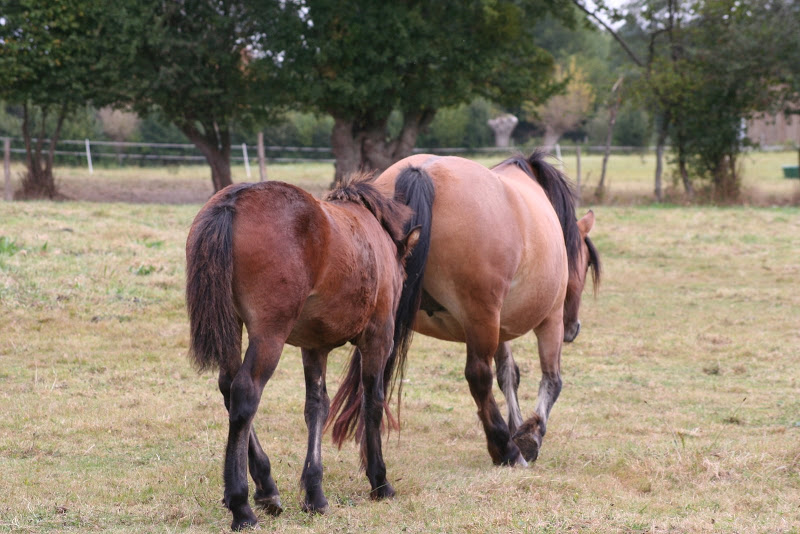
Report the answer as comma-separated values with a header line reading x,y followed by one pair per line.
x,y
316,412
550,337
374,352
480,348
508,380
259,363
266,495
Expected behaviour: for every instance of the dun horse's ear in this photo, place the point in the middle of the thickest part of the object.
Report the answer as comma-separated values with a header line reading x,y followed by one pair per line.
x,y
586,223
411,239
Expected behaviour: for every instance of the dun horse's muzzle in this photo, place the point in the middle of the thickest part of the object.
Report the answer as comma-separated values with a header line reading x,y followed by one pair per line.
x,y
572,332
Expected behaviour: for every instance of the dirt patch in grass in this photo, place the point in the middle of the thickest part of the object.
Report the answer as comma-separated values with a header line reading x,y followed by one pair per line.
x,y
629,181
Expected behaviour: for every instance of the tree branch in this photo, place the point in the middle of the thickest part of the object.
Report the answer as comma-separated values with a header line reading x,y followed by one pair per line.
x,y
610,30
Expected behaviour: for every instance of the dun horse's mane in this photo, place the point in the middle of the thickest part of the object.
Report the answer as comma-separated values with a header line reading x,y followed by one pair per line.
x,y
562,196
391,214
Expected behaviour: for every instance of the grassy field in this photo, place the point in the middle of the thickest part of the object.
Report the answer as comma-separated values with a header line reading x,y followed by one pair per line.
x,y
680,410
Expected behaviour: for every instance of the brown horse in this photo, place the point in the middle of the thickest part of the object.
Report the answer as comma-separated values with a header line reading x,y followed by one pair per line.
x,y
506,256
312,274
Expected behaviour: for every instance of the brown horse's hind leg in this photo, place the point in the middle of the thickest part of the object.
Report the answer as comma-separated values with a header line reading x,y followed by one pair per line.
x,y
508,380
266,495
529,437
316,412
375,348
478,371
259,363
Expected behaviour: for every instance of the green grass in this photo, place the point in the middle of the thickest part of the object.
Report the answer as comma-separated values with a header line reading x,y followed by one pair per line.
x,y
680,410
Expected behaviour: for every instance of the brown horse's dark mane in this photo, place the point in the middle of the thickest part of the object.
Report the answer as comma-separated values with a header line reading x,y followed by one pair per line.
x,y
391,214
562,196
414,192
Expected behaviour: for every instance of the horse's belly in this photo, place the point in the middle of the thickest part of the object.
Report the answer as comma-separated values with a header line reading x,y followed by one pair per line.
x,y
319,327
440,325
527,305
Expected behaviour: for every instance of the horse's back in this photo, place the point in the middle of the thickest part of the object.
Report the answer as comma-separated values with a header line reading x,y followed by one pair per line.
x,y
495,249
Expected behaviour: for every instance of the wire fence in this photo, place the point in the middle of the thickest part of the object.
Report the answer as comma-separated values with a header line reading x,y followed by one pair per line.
x,y
88,152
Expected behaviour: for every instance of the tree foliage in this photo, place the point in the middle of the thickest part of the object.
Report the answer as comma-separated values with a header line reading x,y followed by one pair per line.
x,y
564,111
705,67
54,58
197,65
359,61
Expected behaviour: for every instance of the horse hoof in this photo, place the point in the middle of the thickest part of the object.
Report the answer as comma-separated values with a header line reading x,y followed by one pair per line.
x,y
270,504
528,446
248,520
310,508
382,492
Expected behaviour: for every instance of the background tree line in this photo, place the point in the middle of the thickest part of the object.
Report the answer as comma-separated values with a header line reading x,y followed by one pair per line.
x,y
373,80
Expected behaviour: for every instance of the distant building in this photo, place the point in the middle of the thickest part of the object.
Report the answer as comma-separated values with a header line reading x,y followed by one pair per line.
x,y
775,130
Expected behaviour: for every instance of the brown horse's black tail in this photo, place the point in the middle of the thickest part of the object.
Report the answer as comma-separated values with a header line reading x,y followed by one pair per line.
x,y
413,187
215,328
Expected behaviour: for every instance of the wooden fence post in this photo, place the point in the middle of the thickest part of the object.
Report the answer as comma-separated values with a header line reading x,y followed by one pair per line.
x,y
7,167
262,162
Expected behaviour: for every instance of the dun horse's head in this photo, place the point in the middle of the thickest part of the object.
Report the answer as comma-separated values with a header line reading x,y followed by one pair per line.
x,y
586,258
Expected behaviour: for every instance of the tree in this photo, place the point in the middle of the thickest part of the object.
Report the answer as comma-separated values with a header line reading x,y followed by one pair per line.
x,y
359,61
54,58
710,65
565,111
202,66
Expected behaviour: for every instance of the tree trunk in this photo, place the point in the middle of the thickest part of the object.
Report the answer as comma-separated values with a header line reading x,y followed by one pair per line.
x,y
551,137
663,130
38,181
726,180
216,147
368,149
687,183
503,126
54,139
377,151
616,96
413,124
346,148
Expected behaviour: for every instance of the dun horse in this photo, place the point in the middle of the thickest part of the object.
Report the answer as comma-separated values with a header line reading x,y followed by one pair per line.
x,y
312,274
506,256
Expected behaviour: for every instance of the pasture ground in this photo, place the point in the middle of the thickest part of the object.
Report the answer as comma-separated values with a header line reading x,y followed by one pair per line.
x,y
680,410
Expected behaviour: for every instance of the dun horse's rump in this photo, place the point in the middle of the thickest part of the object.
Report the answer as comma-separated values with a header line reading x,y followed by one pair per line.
x,y
506,256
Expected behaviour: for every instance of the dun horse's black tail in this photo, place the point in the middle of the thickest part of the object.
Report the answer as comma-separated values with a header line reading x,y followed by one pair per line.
x,y
414,188
562,197
215,329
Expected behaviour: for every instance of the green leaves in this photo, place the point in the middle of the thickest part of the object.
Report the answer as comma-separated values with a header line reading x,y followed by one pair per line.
x,y
711,65
361,60
52,53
